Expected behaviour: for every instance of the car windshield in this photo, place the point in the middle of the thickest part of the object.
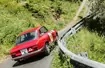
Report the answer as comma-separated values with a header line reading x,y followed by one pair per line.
x,y
26,37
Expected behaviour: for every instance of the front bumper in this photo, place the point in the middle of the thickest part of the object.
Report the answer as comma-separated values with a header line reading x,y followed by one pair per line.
x,y
28,55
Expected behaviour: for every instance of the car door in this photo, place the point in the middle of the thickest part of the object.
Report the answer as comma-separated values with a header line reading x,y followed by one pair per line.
x,y
43,36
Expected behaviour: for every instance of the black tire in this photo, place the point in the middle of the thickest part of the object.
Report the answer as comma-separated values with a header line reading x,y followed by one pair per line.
x,y
57,36
19,61
56,43
47,49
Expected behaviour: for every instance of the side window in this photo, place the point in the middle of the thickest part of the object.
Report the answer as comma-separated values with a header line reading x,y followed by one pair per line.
x,y
43,30
22,37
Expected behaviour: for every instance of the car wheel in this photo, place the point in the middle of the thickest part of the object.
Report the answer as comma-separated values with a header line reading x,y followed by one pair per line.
x,y
19,61
47,50
56,43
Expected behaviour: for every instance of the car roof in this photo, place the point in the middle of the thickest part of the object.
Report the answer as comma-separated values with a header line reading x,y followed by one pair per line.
x,y
30,30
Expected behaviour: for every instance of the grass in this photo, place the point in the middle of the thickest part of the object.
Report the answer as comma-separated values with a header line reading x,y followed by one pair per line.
x,y
60,62
90,42
4,51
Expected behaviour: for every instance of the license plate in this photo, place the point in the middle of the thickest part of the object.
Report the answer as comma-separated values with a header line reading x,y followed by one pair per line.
x,y
24,51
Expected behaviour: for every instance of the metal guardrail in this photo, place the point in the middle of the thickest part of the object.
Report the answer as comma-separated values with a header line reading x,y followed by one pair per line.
x,y
75,58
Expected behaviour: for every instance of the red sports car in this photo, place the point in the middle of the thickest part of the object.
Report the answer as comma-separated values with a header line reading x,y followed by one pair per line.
x,y
33,42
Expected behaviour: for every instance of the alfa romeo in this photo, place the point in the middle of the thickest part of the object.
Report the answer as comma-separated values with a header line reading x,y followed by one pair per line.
x,y
33,42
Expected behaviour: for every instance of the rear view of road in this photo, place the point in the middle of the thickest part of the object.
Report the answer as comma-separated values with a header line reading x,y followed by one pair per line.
x,y
34,62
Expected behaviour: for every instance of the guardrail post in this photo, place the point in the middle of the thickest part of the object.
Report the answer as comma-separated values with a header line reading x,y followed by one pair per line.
x,y
73,30
83,54
63,42
78,65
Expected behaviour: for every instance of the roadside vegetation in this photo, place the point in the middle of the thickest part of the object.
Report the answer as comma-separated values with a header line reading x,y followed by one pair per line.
x,y
17,16
85,40
90,42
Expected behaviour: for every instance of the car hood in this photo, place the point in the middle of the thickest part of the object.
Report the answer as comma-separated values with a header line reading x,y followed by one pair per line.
x,y
23,46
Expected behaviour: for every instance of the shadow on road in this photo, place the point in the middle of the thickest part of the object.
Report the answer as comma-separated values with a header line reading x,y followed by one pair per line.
x,y
32,59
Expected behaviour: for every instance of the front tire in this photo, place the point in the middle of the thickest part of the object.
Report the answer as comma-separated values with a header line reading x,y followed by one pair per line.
x,y
56,43
57,37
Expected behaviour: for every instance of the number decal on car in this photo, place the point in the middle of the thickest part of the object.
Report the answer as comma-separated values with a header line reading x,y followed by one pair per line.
x,y
51,36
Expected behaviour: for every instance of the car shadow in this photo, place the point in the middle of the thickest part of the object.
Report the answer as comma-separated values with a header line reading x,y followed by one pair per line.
x,y
32,59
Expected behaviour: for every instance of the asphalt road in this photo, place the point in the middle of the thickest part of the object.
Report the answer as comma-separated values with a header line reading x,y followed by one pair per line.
x,y
34,62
